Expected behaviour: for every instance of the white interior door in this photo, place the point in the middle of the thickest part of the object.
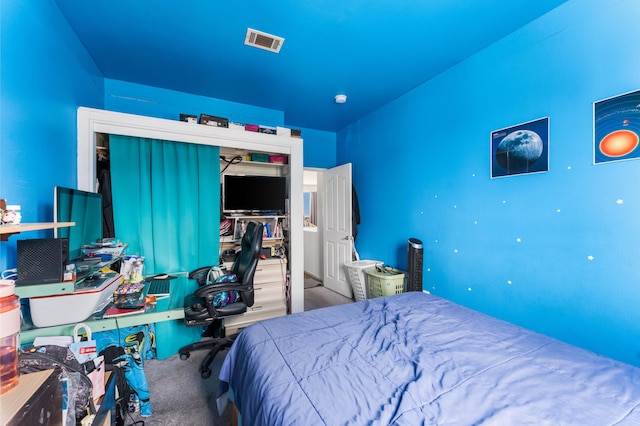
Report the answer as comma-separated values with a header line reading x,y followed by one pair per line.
x,y
337,235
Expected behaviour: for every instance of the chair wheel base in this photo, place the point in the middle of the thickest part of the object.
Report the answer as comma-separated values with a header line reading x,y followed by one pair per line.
x,y
214,345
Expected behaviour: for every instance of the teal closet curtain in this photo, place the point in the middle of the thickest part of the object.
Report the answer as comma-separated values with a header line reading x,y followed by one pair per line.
x,y
166,202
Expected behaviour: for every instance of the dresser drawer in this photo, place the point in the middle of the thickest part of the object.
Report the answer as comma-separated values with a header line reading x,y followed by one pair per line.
x,y
269,297
263,293
271,276
257,312
271,271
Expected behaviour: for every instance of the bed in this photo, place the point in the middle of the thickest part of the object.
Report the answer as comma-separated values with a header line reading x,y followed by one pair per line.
x,y
418,359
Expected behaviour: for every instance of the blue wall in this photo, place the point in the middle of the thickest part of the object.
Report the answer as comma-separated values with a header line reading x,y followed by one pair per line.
x,y
557,252
162,103
45,74
319,146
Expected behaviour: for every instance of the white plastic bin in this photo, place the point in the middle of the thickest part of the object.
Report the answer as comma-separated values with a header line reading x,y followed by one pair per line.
x,y
358,278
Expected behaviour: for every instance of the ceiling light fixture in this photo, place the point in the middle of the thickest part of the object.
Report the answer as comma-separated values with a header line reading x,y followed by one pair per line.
x,y
340,99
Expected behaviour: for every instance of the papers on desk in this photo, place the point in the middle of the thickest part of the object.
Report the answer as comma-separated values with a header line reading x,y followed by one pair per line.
x,y
63,341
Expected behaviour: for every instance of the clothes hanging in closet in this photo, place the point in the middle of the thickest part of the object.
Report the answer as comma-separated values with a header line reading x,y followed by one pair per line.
x,y
104,188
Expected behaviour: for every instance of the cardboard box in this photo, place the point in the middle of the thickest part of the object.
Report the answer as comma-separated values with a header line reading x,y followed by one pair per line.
x,y
268,130
189,118
296,133
212,120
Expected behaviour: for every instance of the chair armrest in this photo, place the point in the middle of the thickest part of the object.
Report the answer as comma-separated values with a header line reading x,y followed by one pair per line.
x,y
200,274
210,289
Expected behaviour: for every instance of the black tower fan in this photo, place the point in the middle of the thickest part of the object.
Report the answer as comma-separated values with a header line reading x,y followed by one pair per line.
x,y
414,265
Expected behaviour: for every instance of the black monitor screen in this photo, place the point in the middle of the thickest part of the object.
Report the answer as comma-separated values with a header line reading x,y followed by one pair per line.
x,y
85,209
243,194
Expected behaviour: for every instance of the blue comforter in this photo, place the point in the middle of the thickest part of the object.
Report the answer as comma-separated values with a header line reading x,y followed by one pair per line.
x,y
417,359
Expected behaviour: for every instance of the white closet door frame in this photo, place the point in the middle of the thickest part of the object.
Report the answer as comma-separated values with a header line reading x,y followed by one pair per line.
x,y
92,121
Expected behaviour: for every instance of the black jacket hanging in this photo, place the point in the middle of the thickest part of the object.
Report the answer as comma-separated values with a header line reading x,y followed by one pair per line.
x,y
355,213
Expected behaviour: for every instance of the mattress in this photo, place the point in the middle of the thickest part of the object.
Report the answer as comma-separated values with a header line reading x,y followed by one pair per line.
x,y
414,359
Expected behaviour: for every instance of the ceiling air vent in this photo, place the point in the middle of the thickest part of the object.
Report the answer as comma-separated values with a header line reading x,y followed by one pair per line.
x,y
263,40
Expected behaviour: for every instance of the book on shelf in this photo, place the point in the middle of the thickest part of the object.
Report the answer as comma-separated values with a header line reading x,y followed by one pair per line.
x,y
114,311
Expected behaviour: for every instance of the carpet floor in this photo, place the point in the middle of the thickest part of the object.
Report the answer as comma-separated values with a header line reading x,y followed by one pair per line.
x,y
179,396
310,283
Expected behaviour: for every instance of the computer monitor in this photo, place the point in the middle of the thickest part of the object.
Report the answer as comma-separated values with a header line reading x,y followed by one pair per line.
x,y
85,209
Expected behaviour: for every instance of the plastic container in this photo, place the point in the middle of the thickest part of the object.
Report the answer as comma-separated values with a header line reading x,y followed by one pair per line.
x,y
9,336
278,159
358,278
11,215
261,158
385,282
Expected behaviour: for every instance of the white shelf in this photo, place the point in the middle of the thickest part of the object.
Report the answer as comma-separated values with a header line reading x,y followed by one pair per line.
x,y
274,222
7,230
255,163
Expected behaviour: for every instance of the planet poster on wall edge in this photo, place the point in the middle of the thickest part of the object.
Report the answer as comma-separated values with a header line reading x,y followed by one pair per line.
x,y
520,149
616,128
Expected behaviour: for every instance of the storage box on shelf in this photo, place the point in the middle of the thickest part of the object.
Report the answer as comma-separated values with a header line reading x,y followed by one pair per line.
x,y
278,159
253,163
269,295
259,157
212,120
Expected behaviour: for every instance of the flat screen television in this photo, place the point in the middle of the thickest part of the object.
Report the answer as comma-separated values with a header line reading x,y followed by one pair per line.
x,y
254,194
85,209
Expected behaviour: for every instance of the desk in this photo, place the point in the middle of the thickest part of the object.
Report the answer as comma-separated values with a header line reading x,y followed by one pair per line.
x,y
40,392
36,393
167,315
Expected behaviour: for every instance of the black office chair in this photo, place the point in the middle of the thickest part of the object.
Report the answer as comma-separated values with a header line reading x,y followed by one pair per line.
x,y
200,309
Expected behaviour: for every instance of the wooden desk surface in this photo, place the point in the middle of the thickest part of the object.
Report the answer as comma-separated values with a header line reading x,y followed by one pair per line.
x,y
14,399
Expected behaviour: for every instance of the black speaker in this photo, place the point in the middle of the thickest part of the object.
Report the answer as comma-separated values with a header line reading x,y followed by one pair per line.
x,y
414,265
42,261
